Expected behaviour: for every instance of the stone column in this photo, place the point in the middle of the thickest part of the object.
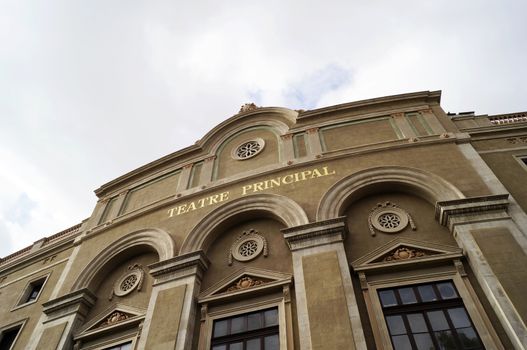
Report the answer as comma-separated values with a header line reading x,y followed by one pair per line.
x,y
62,316
171,315
495,250
328,316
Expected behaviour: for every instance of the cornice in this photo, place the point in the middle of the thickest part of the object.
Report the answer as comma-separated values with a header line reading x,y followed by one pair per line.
x,y
428,96
473,209
195,263
316,233
78,301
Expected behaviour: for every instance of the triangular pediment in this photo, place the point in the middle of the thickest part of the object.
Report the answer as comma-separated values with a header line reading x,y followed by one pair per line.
x,y
246,279
111,316
405,251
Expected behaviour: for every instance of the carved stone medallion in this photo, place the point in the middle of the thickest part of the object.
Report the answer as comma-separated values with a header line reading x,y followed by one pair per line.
x,y
389,218
248,246
248,149
132,279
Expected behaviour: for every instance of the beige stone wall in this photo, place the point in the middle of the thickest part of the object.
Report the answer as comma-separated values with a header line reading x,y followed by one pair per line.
x,y
226,166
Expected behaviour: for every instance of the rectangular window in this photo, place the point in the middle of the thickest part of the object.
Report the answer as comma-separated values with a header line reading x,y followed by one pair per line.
x,y
32,292
8,337
252,331
428,316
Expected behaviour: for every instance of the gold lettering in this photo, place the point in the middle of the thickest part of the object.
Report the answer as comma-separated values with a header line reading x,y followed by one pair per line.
x,y
258,186
171,212
224,196
326,172
316,173
181,209
305,174
191,206
296,177
275,182
213,199
245,189
285,181
201,202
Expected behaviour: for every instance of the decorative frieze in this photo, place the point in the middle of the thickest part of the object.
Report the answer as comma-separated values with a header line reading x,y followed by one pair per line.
x,y
114,318
404,253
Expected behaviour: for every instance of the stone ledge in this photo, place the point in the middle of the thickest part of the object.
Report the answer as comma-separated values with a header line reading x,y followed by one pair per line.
x,y
316,233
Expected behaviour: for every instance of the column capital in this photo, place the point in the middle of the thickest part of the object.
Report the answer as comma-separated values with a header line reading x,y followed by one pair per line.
x,y
315,233
195,263
472,210
78,302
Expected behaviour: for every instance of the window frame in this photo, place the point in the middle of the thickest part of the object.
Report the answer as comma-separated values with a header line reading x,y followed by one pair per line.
x,y
10,326
520,159
26,291
233,311
467,295
422,307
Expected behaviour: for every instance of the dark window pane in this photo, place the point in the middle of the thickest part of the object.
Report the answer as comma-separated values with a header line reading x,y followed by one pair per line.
x,y
417,323
127,346
396,325
407,295
219,347
447,290
220,328
271,317
387,298
459,317
272,342
427,293
254,344
446,340
236,346
437,320
237,324
401,342
254,321
469,338
8,338
424,341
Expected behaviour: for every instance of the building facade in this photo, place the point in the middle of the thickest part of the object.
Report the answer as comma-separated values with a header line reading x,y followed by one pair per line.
x,y
377,224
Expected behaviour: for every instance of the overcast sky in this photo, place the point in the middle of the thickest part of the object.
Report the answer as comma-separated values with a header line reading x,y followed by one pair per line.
x,y
90,90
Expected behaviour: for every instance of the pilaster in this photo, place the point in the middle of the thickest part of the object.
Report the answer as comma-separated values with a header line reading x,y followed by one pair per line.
x,y
318,248
467,219
314,145
177,283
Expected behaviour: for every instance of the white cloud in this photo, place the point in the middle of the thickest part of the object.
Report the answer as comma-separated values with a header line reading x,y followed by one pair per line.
x,y
92,89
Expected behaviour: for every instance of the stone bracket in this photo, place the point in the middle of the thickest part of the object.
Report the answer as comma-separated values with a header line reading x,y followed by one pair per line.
x,y
78,302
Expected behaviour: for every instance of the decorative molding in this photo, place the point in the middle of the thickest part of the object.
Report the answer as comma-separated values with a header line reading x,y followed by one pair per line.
x,y
248,107
260,278
471,210
248,149
387,217
195,263
404,253
245,282
130,280
114,318
248,246
516,140
427,185
316,233
78,302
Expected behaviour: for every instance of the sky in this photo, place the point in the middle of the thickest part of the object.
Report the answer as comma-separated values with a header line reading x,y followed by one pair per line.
x,y
90,90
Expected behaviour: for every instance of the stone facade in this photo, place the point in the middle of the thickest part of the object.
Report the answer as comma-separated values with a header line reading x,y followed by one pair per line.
x,y
377,224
